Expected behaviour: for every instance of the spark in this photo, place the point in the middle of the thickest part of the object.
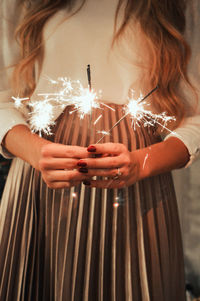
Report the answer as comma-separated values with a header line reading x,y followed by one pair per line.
x,y
66,92
41,117
19,101
139,115
74,195
85,102
136,109
103,133
145,159
97,120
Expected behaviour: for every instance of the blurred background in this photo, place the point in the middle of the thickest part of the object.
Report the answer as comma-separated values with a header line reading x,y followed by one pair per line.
x,y
187,184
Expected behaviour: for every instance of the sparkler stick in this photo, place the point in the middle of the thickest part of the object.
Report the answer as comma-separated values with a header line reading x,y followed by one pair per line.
x,y
89,77
123,117
90,89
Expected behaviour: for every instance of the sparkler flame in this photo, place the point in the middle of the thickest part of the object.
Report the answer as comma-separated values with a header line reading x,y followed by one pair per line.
x,y
84,100
136,109
42,117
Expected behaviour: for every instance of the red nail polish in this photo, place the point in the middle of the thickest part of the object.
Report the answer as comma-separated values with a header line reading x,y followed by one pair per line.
x,y
87,183
83,170
92,149
82,163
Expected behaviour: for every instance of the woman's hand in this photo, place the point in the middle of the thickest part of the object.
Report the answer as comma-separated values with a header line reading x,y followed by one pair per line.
x,y
124,168
58,165
114,162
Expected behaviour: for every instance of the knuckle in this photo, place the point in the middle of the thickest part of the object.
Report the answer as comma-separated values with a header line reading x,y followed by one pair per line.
x,y
127,160
68,185
114,162
42,164
45,150
122,146
125,173
113,172
49,184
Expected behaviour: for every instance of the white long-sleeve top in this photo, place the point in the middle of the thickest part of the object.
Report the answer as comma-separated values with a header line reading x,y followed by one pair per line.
x,y
85,38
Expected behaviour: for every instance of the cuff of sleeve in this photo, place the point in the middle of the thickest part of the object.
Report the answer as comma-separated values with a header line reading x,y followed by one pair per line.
x,y
191,140
10,119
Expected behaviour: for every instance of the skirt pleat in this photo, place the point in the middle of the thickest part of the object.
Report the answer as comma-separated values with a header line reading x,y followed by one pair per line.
x,y
87,243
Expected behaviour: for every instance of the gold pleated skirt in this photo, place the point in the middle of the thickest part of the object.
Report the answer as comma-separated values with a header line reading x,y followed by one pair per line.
x,y
90,244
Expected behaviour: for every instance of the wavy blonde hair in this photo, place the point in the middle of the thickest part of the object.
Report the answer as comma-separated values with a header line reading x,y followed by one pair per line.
x,y
162,23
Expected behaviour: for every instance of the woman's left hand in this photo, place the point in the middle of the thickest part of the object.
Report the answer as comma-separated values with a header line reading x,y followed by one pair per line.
x,y
114,162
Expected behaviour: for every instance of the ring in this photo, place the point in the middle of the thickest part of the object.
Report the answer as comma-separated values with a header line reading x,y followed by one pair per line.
x,y
118,174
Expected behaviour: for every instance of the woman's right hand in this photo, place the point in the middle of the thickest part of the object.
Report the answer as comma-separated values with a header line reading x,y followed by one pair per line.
x,y
58,165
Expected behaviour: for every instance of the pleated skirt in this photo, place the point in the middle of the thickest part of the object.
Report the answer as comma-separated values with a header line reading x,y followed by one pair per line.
x,y
90,244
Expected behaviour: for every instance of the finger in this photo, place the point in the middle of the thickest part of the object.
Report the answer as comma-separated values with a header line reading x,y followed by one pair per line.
x,y
60,185
110,173
111,148
58,163
105,162
108,183
64,151
64,175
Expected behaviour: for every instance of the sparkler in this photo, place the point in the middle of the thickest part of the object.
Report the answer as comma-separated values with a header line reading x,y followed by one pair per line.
x,y
127,113
89,77
84,100
138,114
19,101
70,93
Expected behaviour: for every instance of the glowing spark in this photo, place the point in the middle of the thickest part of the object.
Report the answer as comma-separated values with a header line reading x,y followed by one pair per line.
x,y
107,106
74,195
97,120
145,159
66,93
19,101
116,205
42,117
138,114
103,133
85,102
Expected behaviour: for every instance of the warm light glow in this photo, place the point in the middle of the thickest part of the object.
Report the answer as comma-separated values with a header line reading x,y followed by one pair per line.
x,y
136,108
84,100
41,117
19,101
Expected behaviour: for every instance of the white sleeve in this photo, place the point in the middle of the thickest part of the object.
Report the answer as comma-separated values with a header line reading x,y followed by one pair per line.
x,y
189,131
9,54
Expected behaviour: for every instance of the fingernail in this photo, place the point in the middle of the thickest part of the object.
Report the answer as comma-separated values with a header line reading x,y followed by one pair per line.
x,y
82,163
92,149
83,170
88,183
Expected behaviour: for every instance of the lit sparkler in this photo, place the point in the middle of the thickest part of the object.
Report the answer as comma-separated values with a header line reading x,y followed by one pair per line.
x,y
41,117
70,93
19,101
139,115
84,100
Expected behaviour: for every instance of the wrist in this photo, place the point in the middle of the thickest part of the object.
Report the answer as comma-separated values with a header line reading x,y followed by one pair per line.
x,y
161,157
140,158
22,143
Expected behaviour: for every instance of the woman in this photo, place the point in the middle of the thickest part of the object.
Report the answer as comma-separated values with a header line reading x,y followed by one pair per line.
x,y
66,235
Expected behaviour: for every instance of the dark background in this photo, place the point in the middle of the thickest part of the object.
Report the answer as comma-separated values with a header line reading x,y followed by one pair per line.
x,y
4,168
